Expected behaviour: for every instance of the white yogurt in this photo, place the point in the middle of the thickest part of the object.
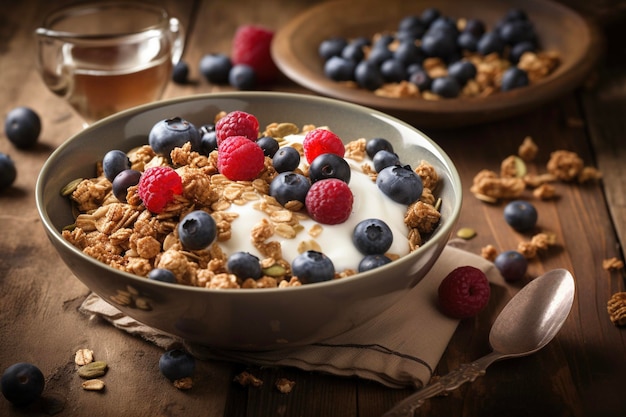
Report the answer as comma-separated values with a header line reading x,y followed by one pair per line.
x,y
335,241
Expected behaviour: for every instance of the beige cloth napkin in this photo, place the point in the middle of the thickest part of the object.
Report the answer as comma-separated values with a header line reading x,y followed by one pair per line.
x,y
399,348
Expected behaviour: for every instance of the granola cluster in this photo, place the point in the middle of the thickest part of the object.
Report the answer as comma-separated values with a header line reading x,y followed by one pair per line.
x,y
128,237
513,178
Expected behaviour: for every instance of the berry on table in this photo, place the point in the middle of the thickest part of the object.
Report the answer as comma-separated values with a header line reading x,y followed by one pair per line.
x,y
312,266
22,383
177,364
512,265
180,73
244,265
197,230
215,68
251,46
8,173
464,292
22,127
329,201
242,77
372,237
289,186
158,186
400,183
240,159
520,215
114,162
319,141
237,123
172,133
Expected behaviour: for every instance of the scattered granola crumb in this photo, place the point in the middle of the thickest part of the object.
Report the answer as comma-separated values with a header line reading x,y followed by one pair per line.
x,y
539,242
616,307
528,149
184,383
285,385
83,357
245,378
612,264
545,191
489,252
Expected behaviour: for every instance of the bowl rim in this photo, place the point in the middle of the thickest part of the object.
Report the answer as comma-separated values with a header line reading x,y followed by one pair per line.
x,y
444,229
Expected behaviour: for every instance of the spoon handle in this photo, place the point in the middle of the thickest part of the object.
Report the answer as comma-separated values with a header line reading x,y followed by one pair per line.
x,y
464,373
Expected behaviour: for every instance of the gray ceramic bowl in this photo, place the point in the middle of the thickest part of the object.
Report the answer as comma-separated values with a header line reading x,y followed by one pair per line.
x,y
248,319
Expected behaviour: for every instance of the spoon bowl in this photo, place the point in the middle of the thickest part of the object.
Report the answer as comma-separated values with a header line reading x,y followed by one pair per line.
x,y
528,322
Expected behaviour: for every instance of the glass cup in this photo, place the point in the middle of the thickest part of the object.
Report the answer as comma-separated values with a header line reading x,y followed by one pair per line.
x,y
107,57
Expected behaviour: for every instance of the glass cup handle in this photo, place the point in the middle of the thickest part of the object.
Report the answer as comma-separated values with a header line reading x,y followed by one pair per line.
x,y
177,33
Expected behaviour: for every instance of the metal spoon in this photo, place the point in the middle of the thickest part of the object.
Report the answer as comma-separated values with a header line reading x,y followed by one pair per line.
x,y
526,324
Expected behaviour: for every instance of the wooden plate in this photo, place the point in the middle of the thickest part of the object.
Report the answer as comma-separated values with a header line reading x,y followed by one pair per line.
x,y
577,40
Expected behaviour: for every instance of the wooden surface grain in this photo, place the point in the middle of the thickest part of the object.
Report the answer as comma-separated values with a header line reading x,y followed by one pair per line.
x,y
581,373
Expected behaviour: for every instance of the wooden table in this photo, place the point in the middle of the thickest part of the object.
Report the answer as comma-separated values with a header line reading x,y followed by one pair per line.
x,y
581,373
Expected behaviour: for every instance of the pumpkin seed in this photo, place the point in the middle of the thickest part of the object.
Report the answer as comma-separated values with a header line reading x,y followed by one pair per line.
x,y
70,187
93,370
93,385
466,233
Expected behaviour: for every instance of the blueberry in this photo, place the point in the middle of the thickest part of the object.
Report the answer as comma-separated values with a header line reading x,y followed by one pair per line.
x,y
177,364
122,181
289,186
244,265
439,44
339,69
429,15
393,71
515,13
312,266
368,76
422,80
269,145
332,47
162,275
514,78
520,215
517,31
520,49
180,73
379,54
467,41
489,43
329,165
197,230
173,133
22,384
447,87
372,237
377,144
215,68
286,159
475,27
8,173
372,261
511,264
242,77
353,52
410,22
413,68
384,159
444,24
384,40
208,143
400,183
114,162
22,127
462,71
206,128
408,53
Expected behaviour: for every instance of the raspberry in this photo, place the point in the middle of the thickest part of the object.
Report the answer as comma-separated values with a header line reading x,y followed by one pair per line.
x,y
464,292
157,187
329,201
237,123
251,46
240,159
319,141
